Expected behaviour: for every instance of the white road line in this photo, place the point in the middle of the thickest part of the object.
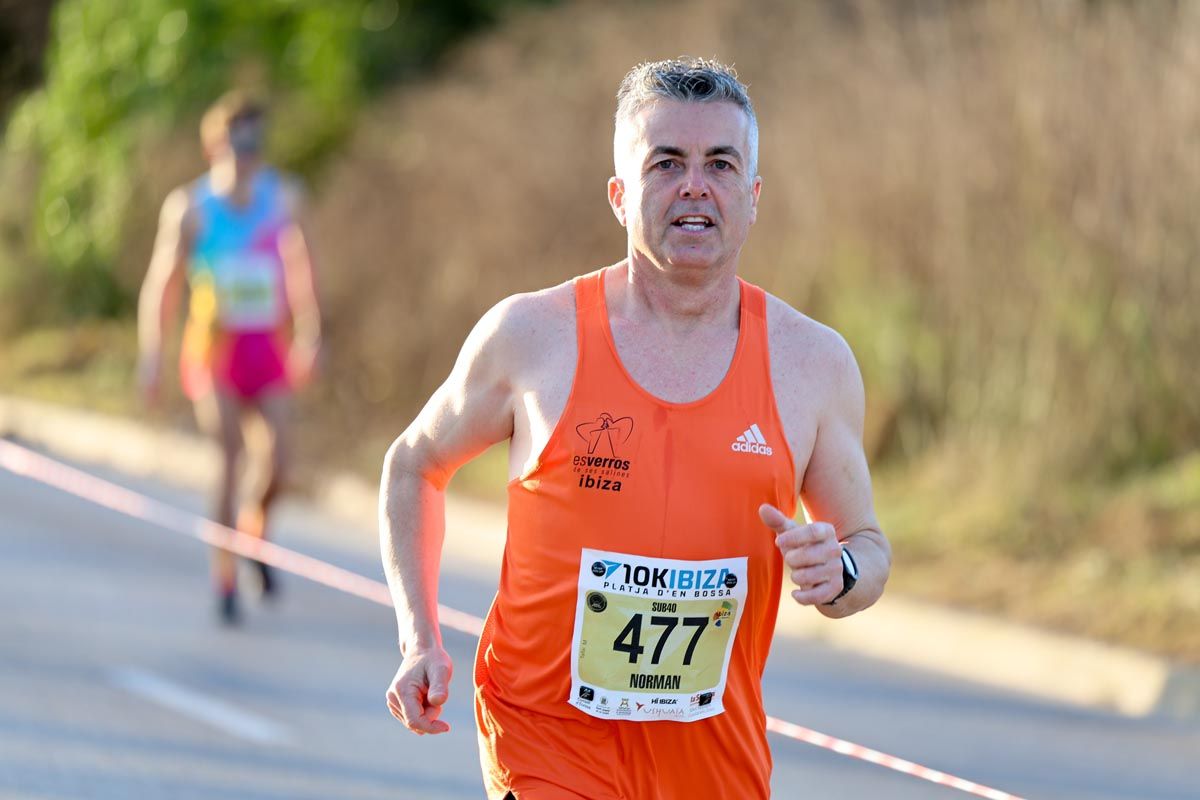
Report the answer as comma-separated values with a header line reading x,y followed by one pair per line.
x,y
216,713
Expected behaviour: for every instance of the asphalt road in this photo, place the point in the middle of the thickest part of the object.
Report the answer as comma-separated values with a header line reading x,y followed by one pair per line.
x,y
115,682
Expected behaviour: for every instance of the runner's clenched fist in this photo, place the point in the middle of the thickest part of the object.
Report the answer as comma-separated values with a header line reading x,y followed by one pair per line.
x,y
420,689
812,553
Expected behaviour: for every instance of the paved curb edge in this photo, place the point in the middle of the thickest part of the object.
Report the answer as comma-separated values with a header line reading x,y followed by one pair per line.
x,y
964,645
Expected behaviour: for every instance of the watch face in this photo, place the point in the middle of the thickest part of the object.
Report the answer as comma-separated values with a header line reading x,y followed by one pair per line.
x,y
848,564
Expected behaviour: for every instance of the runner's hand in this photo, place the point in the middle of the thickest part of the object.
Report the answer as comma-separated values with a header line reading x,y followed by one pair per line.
x,y
420,688
301,364
812,552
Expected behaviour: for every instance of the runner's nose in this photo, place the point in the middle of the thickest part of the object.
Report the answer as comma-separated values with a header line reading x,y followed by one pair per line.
x,y
694,185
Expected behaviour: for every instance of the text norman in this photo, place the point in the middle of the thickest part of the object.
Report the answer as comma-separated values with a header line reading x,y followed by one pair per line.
x,y
661,682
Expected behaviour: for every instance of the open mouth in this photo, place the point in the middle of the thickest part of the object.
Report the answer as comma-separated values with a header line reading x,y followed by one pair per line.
x,y
694,222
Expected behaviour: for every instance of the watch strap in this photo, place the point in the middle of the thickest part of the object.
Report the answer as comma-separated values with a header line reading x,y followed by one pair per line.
x,y
849,575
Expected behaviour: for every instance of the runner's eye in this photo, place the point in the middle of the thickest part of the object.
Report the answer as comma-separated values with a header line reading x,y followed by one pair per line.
x,y
721,165
664,165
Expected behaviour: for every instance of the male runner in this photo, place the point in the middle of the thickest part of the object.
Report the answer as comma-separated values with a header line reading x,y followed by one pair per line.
x,y
253,326
664,417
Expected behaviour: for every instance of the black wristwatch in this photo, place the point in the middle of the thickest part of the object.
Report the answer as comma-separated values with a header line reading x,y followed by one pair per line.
x,y
849,575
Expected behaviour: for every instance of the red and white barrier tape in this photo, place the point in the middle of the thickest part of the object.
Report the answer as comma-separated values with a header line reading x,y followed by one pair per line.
x,y
27,463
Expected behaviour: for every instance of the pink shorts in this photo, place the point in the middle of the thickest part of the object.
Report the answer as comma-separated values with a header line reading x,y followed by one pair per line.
x,y
245,364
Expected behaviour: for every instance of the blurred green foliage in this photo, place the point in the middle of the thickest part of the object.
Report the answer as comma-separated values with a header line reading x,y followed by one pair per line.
x,y
116,69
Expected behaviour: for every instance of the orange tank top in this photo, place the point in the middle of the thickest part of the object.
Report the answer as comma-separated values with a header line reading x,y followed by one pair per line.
x,y
624,651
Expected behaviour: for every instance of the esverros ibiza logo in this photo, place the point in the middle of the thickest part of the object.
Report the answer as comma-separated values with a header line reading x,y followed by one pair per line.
x,y
606,434
602,468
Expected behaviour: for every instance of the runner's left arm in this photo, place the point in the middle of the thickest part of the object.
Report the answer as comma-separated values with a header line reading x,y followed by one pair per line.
x,y
301,289
837,485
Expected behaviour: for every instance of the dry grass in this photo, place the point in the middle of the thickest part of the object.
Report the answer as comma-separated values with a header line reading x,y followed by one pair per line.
x,y
995,202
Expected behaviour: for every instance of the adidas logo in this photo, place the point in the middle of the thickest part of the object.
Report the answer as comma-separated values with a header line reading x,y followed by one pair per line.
x,y
751,441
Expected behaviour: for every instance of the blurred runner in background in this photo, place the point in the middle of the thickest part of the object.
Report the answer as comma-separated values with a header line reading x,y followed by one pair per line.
x,y
253,325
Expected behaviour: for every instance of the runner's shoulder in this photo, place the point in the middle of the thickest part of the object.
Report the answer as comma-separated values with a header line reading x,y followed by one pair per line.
x,y
804,348
527,328
291,191
179,207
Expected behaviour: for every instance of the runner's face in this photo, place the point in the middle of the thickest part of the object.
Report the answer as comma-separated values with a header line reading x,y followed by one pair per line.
x,y
683,188
245,135
241,141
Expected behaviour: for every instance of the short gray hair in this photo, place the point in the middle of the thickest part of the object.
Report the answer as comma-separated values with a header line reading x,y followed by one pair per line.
x,y
692,80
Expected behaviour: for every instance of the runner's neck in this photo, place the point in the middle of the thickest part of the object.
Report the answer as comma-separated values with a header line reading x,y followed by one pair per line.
x,y
647,293
233,180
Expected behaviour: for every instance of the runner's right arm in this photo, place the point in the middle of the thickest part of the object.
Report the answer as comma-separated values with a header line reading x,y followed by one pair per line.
x,y
158,302
470,412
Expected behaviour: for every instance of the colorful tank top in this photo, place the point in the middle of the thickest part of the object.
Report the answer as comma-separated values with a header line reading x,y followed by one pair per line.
x,y
624,651
235,273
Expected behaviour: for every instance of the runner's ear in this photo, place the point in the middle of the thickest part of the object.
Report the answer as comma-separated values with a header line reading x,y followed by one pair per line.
x,y
616,198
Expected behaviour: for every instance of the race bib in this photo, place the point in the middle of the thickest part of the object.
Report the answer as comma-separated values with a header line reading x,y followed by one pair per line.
x,y
653,636
248,291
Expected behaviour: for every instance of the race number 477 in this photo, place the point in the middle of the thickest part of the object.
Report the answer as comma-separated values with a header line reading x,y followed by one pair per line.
x,y
629,640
